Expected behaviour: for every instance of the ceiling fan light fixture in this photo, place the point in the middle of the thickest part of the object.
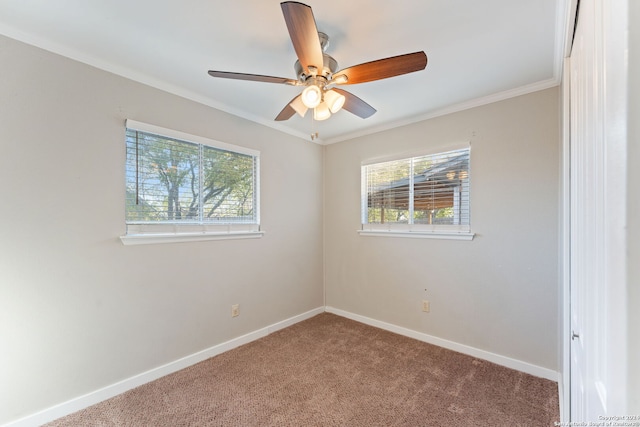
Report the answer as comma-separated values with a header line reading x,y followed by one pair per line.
x,y
334,100
316,70
299,106
321,112
311,96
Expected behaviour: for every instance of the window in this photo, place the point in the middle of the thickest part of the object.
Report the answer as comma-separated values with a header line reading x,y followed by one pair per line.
x,y
425,196
182,187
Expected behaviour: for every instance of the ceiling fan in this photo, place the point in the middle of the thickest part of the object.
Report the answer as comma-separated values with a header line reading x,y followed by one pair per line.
x,y
316,70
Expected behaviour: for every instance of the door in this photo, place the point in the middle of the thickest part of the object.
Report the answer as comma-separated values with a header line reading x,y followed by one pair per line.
x,y
597,218
586,217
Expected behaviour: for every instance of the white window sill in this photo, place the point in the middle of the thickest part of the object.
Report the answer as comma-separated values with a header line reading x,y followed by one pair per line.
x,y
158,238
419,234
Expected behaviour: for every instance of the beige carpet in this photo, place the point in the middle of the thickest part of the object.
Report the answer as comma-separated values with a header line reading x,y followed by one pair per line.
x,y
332,371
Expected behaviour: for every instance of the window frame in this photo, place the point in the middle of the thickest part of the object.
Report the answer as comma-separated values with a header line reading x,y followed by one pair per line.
x,y
141,232
410,230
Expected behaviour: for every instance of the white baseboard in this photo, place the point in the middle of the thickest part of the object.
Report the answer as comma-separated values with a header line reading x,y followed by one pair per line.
x,y
564,415
112,390
518,365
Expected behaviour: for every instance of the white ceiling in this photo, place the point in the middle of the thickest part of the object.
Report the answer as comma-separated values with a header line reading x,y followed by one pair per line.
x,y
477,51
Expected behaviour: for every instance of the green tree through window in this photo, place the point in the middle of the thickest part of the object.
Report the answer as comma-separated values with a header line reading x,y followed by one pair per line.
x,y
171,180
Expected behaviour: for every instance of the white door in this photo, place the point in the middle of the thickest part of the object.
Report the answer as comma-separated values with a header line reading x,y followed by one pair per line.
x,y
597,218
586,215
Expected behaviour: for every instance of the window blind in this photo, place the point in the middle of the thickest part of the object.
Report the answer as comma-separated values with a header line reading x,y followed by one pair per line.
x,y
176,181
424,192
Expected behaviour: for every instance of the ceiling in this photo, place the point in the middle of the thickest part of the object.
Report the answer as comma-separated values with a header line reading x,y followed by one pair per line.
x,y
478,51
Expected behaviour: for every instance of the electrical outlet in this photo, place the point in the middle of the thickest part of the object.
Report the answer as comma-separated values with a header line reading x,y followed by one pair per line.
x,y
426,306
235,310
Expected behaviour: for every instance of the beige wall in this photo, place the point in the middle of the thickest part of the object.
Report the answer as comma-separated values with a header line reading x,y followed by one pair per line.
x,y
497,293
80,311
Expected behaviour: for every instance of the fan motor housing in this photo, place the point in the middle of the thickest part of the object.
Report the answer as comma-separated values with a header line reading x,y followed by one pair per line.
x,y
329,65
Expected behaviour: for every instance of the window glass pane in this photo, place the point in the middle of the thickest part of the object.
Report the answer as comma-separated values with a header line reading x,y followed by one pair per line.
x,y
441,188
388,192
162,178
228,182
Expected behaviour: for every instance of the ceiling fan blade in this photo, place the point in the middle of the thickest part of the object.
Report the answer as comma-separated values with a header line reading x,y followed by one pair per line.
x,y
383,68
355,105
287,111
252,77
304,34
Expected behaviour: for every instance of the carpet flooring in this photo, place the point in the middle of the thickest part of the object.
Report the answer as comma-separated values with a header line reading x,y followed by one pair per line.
x,y
332,371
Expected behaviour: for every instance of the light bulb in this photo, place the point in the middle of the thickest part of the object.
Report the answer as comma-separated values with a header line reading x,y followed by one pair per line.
x,y
311,96
321,112
299,106
335,100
